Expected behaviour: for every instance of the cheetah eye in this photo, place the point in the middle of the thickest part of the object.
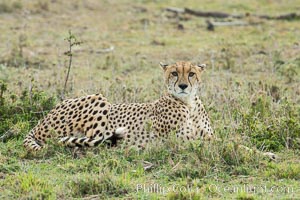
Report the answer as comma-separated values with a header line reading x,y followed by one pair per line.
x,y
174,73
191,74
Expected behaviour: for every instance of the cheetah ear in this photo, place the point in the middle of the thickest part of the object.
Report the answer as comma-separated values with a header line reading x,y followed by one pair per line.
x,y
201,66
163,66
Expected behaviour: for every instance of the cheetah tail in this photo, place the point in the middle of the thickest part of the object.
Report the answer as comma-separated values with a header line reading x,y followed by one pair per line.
x,y
90,142
31,144
80,141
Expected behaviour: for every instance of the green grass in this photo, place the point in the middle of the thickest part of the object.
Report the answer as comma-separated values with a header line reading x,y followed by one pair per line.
x,y
250,89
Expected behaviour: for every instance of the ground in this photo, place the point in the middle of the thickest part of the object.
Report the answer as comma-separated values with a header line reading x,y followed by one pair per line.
x,y
250,89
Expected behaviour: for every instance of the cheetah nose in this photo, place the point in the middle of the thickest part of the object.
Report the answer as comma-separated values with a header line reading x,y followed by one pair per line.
x,y
182,86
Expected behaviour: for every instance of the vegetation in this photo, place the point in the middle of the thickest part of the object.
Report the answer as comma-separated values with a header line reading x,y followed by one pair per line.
x,y
250,89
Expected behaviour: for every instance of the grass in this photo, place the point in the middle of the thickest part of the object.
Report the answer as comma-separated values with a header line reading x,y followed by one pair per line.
x,y
250,89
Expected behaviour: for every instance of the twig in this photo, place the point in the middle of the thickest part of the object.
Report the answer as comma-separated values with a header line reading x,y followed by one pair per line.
x,y
72,41
107,50
8,134
70,63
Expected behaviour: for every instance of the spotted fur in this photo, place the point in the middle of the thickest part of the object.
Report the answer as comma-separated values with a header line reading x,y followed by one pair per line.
x,y
91,120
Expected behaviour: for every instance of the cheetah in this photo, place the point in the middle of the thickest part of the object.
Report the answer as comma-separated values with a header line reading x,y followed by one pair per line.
x,y
92,120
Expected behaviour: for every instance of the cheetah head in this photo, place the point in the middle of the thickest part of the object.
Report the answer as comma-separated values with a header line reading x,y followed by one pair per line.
x,y
182,79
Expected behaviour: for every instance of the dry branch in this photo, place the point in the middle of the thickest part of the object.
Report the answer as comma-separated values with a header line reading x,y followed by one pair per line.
x,y
107,50
216,14
289,16
210,14
8,134
99,51
233,23
175,10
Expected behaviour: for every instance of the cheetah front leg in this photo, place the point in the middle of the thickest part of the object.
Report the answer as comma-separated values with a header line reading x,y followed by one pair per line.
x,y
186,131
201,121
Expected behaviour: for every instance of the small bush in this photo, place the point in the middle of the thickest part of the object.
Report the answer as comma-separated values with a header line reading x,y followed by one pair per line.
x,y
101,185
19,58
289,70
244,196
9,7
28,107
271,126
28,186
9,165
185,196
199,159
284,171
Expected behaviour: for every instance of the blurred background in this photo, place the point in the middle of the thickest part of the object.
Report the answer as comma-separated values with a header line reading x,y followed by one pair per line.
x,y
123,42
